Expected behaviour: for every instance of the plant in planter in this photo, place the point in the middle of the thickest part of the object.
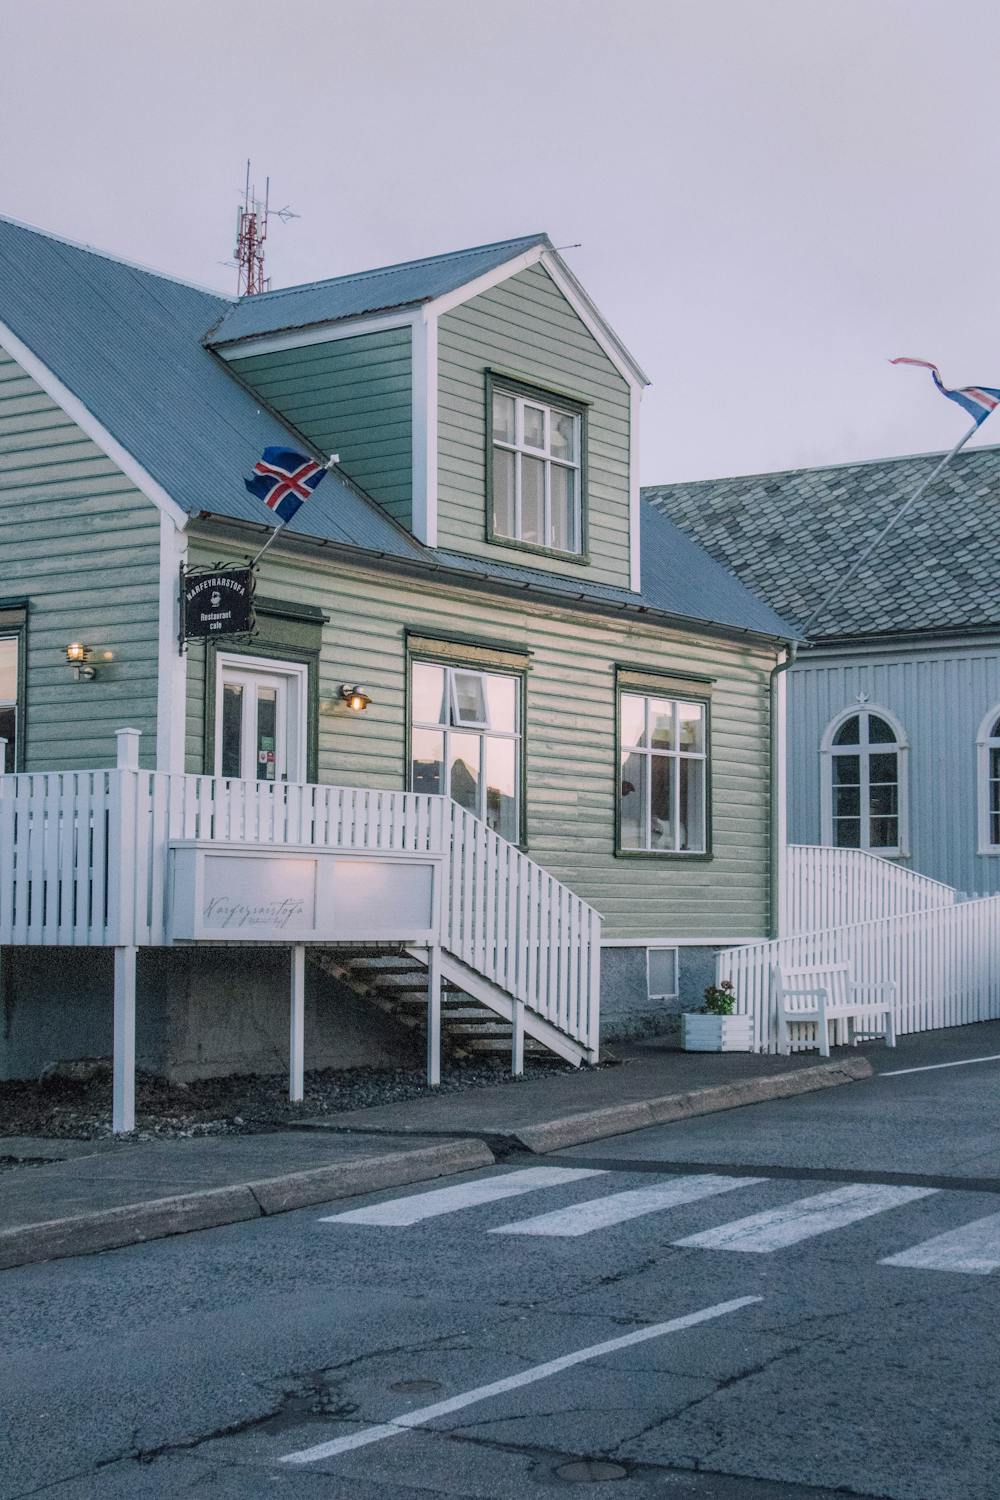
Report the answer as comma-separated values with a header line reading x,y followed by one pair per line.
x,y
714,1027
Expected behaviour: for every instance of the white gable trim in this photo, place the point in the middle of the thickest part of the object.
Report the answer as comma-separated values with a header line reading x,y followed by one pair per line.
x,y
318,333
589,315
488,279
424,388
634,501
171,680
88,423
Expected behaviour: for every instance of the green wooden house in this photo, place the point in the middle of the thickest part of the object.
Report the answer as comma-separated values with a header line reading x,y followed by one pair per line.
x,y
502,736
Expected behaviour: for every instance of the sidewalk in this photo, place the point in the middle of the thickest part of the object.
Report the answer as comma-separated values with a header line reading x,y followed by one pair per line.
x,y
85,1196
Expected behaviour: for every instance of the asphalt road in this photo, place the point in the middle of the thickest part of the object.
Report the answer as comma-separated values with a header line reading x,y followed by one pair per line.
x,y
774,1356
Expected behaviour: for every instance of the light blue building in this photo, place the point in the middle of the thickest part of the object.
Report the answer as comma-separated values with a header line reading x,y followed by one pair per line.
x,y
894,706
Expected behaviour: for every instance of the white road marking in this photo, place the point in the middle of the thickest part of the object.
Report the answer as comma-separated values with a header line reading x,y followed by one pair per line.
x,y
426,1414
933,1067
777,1227
974,1249
397,1213
600,1213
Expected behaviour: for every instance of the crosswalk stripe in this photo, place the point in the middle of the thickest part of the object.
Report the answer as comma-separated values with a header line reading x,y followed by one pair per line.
x,y
398,1213
974,1249
600,1213
778,1227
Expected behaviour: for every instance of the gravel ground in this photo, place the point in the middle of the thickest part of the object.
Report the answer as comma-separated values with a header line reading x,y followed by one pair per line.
x,y
240,1105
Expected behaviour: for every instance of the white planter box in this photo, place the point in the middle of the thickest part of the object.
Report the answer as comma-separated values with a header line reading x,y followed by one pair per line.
x,y
714,1033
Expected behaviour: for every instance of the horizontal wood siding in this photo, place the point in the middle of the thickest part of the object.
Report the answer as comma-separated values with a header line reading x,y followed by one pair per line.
x,y
352,397
82,544
570,735
526,327
940,697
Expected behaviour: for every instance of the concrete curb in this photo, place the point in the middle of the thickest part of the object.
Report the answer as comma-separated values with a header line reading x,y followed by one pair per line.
x,y
596,1124
134,1223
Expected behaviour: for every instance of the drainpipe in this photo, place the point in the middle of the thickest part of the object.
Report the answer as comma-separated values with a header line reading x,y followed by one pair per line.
x,y
779,788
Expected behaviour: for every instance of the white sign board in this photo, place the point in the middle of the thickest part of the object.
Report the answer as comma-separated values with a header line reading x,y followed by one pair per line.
x,y
240,893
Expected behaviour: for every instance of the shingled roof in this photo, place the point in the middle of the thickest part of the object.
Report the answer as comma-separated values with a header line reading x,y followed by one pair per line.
x,y
790,536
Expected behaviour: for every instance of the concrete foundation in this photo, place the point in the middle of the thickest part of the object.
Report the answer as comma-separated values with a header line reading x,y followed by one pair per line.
x,y
627,1010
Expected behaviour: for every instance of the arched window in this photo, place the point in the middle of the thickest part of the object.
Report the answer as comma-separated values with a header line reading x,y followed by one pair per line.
x,y
864,783
989,783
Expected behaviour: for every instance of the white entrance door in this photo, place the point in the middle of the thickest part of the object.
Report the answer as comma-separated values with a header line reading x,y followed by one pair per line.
x,y
259,720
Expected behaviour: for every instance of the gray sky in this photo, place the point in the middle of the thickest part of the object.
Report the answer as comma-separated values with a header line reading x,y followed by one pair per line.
x,y
773,196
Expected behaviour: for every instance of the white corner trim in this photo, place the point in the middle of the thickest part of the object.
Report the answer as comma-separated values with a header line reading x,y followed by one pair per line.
x,y
171,683
587,312
319,333
424,356
88,423
634,500
488,279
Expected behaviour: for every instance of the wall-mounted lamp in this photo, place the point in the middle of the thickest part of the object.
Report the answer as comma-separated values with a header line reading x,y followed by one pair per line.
x,y
356,698
78,656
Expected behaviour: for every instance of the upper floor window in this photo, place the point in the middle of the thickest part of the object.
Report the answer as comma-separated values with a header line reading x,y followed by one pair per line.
x,y
536,469
663,775
8,699
864,784
989,783
465,741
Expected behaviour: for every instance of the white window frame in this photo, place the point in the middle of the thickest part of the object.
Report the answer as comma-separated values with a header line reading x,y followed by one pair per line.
x,y
900,746
647,847
663,994
14,702
296,678
986,742
483,731
547,405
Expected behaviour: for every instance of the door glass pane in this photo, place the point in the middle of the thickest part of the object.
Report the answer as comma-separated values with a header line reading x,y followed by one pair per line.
x,y
503,417
8,670
463,770
847,770
8,727
692,805
267,730
501,695
661,724
661,779
691,726
534,427
848,733
633,800
633,720
884,833
847,833
501,785
562,435
532,499
883,800
847,802
232,729
503,492
882,767
879,732
562,501
427,756
470,698
430,705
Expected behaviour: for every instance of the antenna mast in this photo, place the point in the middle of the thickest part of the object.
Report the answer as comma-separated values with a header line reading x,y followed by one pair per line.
x,y
251,232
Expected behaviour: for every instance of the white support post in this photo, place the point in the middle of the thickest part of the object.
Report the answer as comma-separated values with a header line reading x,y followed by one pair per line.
x,y
296,1048
123,1089
433,1016
517,1038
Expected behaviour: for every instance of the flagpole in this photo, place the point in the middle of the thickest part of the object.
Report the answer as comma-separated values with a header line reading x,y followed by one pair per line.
x,y
857,565
276,532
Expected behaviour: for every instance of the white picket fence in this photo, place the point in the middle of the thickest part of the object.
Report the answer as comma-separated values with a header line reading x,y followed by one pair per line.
x,y
84,861
945,963
824,887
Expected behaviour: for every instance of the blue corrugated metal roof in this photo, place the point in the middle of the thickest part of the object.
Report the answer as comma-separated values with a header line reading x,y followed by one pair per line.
x,y
366,292
128,344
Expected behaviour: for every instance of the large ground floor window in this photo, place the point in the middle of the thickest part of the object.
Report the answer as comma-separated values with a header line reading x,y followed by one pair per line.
x,y
465,740
663,775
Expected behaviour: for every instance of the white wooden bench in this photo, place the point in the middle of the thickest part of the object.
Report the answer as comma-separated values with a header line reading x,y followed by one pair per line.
x,y
826,995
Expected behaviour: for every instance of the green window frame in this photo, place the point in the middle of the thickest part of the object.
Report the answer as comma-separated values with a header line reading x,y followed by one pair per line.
x,y
536,469
663,791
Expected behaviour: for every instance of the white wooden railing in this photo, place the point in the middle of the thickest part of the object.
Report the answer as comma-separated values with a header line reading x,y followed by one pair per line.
x,y
84,861
944,962
824,887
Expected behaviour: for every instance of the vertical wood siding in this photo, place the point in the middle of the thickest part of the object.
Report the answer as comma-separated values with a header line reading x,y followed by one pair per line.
x,y
940,698
526,327
80,541
352,397
569,730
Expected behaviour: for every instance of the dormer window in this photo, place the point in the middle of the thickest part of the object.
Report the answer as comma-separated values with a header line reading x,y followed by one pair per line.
x,y
536,468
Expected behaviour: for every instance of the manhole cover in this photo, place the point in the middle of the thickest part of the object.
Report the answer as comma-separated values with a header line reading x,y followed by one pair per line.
x,y
414,1387
590,1471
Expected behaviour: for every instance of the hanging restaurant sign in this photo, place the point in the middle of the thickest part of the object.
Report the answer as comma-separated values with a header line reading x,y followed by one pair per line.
x,y
216,601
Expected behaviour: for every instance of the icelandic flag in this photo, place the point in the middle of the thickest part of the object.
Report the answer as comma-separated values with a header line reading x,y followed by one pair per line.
x,y
978,400
283,479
